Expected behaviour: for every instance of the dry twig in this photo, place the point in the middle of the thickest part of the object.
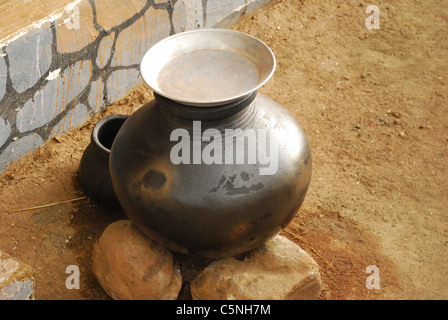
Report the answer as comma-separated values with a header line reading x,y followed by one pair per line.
x,y
50,205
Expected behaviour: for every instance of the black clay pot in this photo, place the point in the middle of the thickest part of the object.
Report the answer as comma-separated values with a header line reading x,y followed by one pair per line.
x,y
214,199
93,172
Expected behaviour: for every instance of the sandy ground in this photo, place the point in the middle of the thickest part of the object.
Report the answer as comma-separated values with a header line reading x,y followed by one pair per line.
x,y
373,106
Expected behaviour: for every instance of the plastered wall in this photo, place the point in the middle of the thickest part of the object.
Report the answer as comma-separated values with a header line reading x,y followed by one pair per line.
x,y
60,70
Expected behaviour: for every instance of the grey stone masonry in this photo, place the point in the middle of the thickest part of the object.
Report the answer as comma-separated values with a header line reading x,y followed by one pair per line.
x,y
54,75
16,279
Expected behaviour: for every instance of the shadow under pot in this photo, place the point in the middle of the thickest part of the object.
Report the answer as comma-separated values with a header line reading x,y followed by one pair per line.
x,y
93,172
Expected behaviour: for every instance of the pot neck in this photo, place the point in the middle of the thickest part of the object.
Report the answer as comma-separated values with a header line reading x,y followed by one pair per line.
x,y
204,113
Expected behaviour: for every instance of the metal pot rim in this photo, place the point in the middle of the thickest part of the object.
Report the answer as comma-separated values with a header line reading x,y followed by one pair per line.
x,y
230,41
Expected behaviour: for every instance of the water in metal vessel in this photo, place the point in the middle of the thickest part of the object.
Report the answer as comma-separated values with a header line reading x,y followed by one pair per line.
x,y
208,75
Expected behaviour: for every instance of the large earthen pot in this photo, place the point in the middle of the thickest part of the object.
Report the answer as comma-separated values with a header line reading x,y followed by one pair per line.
x,y
218,178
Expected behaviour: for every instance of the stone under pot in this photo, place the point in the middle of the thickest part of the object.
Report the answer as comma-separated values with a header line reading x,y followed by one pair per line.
x,y
210,166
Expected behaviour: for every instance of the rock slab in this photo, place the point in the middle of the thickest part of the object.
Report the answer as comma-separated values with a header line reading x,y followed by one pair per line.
x,y
16,279
130,266
279,270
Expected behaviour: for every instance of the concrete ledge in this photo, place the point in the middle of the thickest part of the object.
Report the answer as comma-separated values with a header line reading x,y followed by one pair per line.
x,y
16,279
60,70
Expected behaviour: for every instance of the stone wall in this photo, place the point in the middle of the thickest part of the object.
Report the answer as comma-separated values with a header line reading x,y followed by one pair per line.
x,y
61,70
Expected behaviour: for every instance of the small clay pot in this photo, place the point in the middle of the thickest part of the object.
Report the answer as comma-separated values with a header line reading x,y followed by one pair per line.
x,y
93,172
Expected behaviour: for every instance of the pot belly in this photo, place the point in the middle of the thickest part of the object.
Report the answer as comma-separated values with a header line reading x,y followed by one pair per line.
x,y
211,208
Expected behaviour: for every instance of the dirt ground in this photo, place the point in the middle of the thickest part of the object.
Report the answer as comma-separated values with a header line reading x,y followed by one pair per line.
x,y
373,106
